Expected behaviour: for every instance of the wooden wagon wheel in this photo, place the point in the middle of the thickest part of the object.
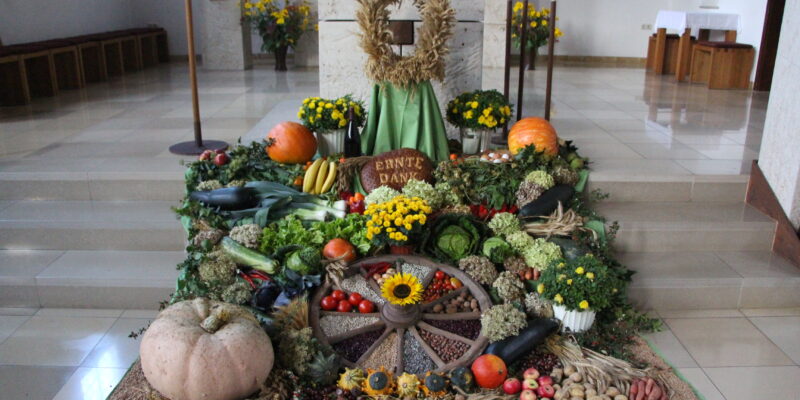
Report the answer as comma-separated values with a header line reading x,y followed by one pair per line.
x,y
413,320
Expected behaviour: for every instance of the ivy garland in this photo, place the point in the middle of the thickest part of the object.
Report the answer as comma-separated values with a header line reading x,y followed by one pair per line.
x,y
427,62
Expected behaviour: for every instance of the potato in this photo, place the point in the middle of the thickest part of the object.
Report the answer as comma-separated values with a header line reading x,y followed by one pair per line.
x,y
593,397
591,393
612,391
557,374
577,392
576,377
569,370
559,395
587,386
620,397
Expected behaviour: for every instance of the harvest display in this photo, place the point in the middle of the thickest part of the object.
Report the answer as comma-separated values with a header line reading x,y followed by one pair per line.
x,y
401,274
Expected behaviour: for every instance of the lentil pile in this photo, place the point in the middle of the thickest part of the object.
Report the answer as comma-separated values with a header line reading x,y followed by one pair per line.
x,y
333,325
470,328
447,349
353,348
385,355
415,359
464,302
358,284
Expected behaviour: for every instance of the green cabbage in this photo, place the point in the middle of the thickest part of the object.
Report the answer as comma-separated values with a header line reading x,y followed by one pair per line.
x,y
497,250
305,261
453,237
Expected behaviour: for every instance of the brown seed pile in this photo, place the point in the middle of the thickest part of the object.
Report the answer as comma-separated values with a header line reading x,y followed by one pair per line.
x,y
464,302
385,355
469,329
415,359
353,348
447,349
543,362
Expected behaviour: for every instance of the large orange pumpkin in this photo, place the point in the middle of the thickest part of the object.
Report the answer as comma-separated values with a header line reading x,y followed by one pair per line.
x,y
533,131
291,143
490,371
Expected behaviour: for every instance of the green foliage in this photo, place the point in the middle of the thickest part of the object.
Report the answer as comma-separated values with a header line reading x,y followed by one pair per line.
x,y
277,26
583,283
481,109
496,249
289,231
353,227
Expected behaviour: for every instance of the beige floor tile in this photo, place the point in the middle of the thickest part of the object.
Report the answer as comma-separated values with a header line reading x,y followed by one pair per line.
x,y
672,350
22,264
747,383
616,151
761,264
698,379
32,383
91,384
667,265
9,324
783,331
666,151
117,349
771,312
722,313
716,167
54,341
79,312
18,311
726,342
139,314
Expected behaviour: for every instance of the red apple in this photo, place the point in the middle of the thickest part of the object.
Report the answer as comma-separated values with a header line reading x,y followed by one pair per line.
x,y
512,386
221,159
546,391
531,373
527,395
206,155
530,384
545,380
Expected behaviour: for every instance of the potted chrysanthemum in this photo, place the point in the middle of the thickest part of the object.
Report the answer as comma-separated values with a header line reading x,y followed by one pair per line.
x,y
398,222
578,289
328,119
280,23
477,114
538,31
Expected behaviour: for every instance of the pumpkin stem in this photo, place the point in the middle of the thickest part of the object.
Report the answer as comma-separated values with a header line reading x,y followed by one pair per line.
x,y
218,318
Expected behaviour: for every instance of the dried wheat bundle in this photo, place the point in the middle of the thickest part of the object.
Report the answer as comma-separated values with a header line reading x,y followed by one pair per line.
x,y
347,171
559,223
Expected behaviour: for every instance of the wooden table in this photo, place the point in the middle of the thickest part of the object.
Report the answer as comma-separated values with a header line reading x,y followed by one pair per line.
x,y
688,24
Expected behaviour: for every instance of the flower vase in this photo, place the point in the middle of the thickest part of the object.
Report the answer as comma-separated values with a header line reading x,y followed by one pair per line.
x,y
575,320
331,142
280,58
534,53
475,141
394,249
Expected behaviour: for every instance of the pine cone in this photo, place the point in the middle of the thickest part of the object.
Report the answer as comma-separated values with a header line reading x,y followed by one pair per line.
x,y
528,192
565,176
515,264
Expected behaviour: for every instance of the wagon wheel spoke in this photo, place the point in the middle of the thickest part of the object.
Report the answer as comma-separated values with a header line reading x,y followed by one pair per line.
x,y
444,298
428,350
374,346
348,314
400,345
355,332
441,332
454,316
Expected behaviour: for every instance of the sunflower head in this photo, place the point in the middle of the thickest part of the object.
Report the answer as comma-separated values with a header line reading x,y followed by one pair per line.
x,y
402,289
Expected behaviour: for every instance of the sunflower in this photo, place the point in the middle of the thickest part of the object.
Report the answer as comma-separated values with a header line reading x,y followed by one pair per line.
x,y
402,289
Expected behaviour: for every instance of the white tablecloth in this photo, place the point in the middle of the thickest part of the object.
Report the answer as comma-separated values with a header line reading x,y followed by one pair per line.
x,y
680,20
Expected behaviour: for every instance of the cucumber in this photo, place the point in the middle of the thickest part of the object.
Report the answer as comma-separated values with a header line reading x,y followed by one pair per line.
x,y
513,348
548,202
234,198
243,256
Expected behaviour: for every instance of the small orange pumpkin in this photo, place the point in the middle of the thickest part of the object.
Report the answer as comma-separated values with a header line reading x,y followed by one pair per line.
x,y
533,131
490,371
291,143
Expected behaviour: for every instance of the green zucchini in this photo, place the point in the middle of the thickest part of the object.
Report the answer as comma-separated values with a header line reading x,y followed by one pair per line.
x,y
513,348
548,202
243,256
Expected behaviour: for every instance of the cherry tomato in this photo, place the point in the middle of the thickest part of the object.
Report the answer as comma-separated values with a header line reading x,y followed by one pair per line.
x,y
366,307
439,275
328,303
298,181
344,306
359,196
453,156
449,286
338,295
355,299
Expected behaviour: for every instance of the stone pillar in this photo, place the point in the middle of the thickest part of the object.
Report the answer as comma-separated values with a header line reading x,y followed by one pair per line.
x,y
226,40
779,157
306,53
341,60
494,44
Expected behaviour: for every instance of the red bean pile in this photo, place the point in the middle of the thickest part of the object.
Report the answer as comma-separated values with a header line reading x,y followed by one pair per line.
x,y
543,362
353,348
470,328
447,349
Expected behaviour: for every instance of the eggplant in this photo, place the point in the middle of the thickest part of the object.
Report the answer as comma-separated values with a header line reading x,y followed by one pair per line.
x,y
513,348
264,298
233,198
548,202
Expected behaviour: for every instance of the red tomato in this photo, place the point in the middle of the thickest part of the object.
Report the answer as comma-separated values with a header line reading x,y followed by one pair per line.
x,y
338,295
355,299
439,275
366,307
328,303
344,306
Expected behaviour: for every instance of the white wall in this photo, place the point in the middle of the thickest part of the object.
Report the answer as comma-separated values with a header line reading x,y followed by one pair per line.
x,y
779,158
169,14
31,20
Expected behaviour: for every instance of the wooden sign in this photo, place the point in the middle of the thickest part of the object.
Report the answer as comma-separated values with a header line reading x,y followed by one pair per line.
x,y
395,168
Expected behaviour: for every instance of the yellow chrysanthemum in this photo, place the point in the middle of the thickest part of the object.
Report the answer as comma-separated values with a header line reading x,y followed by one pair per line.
x,y
558,299
569,281
584,305
540,288
402,289
590,275
579,270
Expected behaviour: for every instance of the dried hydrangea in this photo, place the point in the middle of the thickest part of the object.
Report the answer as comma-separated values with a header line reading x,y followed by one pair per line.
x,y
297,347
502,321
520,241
509,287
528,192
541,178
479,268
381,194
212,184
237,293
212,235
425,191
565,176
449,196
515,264
541,253
217,269
504,224
247,235
236,183
538,307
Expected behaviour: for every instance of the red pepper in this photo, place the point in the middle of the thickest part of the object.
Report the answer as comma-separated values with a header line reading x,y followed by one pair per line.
x,y
254,273
247,279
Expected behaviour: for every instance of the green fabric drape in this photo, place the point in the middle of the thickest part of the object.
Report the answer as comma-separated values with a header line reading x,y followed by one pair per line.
x,y
400,118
